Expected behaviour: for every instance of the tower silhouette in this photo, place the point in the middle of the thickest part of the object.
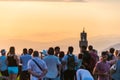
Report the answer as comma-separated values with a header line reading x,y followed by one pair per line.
x,y
83,41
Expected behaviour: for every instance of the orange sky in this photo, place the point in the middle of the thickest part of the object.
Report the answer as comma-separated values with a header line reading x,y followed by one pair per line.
x,y
51,21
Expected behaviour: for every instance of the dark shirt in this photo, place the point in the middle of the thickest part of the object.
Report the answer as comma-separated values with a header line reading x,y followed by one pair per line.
x,y
86,60
11,61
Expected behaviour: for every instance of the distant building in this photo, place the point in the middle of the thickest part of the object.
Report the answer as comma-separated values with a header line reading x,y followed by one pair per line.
x,y
83,41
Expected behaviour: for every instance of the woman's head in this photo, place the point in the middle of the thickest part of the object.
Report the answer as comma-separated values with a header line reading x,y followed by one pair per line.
x,y
12,50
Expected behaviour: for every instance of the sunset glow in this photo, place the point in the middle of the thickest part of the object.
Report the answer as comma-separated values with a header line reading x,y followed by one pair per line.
x,y
52,21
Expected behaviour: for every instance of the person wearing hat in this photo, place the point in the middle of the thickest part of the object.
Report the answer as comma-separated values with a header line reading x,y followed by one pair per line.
x,y
3,64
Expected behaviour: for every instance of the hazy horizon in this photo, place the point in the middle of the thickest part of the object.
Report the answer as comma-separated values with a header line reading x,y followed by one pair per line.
x,y
48,22
100,43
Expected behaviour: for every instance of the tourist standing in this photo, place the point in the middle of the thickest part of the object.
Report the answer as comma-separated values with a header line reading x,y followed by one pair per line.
x,y
37,67
24,61
13,62
111,54
70,61
102,68
86,58
61,55
53,64
3,64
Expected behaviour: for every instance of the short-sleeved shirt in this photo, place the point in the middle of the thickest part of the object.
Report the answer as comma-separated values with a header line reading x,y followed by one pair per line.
x,y
24,60
103,67
3,64
83,74
52,62
65,59
116,75
33,66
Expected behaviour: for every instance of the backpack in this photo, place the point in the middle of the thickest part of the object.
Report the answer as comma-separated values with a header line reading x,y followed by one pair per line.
x,y
71,62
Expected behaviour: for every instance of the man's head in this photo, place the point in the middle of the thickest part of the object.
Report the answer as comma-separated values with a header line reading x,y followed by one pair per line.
x,y
104,55
35,54
70,49
112,50
90,47
25,51
3,52
30,51
57,49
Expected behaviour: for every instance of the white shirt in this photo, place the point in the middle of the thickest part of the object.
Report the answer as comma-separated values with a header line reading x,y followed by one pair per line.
x,y
33,66
83,74
52,62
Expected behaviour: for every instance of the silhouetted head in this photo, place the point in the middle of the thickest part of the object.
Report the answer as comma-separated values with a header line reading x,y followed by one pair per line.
x,y
90,47
35,54
70,49
3,52
11,50
57,50
112,50
79,56
30,51
83,48
25,51
104,55
51,51
61,55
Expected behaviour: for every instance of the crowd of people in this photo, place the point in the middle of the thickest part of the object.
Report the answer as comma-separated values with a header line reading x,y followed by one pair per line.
x,y
54,64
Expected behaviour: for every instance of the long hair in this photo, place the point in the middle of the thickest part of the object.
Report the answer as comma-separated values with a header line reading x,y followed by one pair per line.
x,y
11,50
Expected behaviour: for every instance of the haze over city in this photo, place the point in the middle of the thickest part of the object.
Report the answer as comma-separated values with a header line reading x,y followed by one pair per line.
x,y
39,24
